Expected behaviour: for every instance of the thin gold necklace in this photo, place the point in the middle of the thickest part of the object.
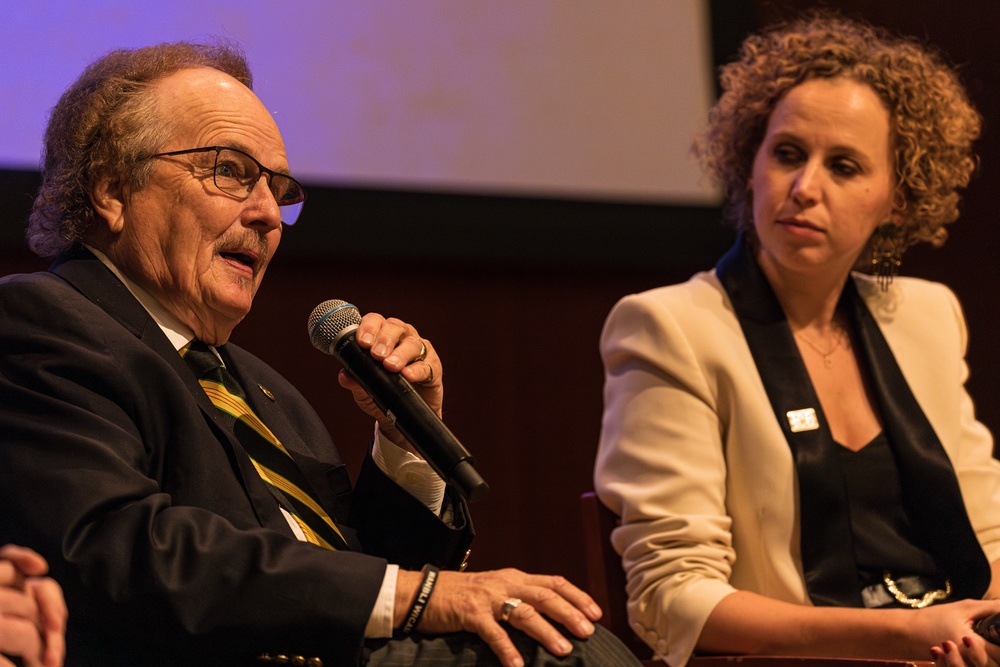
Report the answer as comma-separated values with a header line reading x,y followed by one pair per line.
x,y
827,356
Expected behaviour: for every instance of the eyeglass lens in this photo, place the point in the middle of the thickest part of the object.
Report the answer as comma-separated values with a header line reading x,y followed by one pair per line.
x,y
237,173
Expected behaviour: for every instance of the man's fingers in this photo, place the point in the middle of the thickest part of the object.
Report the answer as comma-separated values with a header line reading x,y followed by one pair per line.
x,y
15,603
499,642
10,575
19,637
557,599
24,559
578,597
52,607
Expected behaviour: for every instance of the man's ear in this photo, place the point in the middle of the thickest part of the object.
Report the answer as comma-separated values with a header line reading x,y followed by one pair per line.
x,y
108,199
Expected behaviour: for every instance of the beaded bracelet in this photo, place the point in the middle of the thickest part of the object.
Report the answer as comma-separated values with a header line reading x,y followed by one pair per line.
x,y
430,573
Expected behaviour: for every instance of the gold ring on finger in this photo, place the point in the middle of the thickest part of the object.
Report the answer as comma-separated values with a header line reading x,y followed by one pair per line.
x,y
423,351
430,374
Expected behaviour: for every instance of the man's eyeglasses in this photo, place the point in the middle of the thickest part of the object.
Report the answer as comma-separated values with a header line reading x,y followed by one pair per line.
x,y
236,174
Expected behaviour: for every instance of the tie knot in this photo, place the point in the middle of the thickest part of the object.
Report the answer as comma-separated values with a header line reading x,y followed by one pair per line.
x,y
201,358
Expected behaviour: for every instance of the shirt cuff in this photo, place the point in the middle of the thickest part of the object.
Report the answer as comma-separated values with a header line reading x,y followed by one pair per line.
x,y
409,471
380,622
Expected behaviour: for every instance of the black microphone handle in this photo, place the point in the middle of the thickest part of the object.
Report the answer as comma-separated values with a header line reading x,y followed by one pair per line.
x,y
395,396
989,628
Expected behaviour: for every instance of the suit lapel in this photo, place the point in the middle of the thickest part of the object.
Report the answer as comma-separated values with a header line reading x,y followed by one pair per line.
x,y
88,275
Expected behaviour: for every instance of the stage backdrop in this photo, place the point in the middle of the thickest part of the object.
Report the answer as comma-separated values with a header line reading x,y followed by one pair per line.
x,y
573,97
510,283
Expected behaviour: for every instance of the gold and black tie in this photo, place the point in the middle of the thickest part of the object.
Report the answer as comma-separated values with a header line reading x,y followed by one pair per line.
x,y
272,461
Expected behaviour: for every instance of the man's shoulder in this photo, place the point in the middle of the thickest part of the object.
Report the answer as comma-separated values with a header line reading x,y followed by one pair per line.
x,y
36,294
39,280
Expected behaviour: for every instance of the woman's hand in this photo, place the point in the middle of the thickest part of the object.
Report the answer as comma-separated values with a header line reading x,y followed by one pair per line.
x,y
971,649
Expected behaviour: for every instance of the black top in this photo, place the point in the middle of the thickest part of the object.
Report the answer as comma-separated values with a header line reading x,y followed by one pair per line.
x,y
884,537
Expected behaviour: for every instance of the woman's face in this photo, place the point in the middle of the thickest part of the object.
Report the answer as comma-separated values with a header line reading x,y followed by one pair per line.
x,y
822,179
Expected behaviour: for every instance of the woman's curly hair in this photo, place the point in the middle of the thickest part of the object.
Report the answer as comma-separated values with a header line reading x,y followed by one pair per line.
x,y
103,125
933,124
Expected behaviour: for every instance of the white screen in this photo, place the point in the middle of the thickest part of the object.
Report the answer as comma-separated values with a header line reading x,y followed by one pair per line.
x,y
578,98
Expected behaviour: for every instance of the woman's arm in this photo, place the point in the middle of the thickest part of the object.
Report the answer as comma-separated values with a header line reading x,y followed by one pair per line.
x,y
747,623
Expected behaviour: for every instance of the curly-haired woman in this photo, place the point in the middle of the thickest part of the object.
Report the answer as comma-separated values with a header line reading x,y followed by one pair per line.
x,y
788,441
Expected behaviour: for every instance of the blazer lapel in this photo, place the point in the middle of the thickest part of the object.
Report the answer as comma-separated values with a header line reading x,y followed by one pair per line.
x,y
930,488
827,552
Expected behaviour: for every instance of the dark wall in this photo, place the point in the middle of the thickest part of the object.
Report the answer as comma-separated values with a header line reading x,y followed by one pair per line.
x,y
513,293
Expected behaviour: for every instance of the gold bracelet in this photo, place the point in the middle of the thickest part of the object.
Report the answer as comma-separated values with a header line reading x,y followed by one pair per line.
x,y
929,598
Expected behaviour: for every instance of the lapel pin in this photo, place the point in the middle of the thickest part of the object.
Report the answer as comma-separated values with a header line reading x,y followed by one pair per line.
x,y
802,420
267,392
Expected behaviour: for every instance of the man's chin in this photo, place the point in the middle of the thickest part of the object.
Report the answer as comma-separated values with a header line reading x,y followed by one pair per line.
x,y
228,310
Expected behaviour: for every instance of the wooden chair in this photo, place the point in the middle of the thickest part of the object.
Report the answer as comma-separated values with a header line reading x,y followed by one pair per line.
x,y
605,577
606,583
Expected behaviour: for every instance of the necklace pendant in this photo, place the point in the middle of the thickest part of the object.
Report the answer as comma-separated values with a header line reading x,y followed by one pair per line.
x,y
827,361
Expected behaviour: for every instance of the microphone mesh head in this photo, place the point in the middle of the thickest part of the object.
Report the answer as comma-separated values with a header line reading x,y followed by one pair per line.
x,y
329,321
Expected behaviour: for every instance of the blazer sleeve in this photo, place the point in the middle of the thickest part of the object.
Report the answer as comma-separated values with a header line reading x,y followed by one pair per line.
x,y
661,466
383,513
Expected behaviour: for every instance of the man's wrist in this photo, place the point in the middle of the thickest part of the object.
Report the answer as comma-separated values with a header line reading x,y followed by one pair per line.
x,y
416,611
382,619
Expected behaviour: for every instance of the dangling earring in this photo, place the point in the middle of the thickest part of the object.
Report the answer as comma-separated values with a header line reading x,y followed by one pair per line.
x,y
887,253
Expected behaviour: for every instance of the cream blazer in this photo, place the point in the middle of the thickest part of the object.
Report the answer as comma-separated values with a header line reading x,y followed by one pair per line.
x,y
693,458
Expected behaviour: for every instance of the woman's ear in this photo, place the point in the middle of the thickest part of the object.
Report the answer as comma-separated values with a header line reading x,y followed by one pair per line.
x,y
898,214
107,196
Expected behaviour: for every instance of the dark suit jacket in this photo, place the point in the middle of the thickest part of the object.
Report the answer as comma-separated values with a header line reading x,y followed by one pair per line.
x,y
169,547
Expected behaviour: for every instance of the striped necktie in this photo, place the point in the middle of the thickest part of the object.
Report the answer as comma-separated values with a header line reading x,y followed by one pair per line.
x,y
270,458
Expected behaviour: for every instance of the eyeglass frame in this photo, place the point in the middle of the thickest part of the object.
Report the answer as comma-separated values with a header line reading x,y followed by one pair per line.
x,y
261,168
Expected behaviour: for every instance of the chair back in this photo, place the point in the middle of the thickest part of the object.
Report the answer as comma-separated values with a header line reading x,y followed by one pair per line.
x,y
605,577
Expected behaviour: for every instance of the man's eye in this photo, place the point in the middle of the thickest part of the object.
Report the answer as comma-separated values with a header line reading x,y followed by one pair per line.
x,y
228,170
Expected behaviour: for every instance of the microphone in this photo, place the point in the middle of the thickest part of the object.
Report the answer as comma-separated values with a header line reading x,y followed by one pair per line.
x,y
989,628
332,327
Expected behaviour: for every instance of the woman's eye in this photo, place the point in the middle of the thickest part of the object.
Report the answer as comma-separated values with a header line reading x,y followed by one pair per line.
x,y
787,154
845,168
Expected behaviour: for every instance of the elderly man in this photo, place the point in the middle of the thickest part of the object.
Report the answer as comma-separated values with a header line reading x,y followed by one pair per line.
x,y
187,497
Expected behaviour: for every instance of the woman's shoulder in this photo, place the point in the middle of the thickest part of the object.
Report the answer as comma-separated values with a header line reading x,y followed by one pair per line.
x,y
700,288
906,294
695,309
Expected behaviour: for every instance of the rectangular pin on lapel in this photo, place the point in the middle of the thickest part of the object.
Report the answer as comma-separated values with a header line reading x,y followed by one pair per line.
x,y
802,420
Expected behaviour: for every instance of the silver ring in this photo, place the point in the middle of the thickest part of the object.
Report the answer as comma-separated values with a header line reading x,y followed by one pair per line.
x,y
509,605
423,351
